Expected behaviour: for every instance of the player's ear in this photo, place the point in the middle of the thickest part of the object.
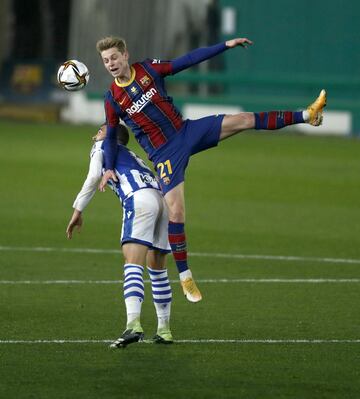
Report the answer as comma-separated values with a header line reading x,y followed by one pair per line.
x,y
126,55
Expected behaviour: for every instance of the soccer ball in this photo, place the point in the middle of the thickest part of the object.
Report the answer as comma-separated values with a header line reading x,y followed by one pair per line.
x,y
73,75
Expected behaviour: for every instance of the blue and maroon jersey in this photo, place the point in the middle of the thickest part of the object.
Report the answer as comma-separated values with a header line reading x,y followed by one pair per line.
x,y
144,105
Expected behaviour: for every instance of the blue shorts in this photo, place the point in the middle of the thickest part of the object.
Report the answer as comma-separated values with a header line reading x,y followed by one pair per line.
x,y
195,136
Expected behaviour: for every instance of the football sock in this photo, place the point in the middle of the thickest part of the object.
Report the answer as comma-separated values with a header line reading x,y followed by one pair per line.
x,y
277,119
186,274
177,240
161,293
133,293
306,116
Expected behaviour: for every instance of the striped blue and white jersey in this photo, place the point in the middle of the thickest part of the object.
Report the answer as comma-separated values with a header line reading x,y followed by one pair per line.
x,y
132,173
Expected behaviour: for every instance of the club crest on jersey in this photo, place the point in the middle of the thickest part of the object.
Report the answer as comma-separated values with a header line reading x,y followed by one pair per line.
x,y
145,80
166,180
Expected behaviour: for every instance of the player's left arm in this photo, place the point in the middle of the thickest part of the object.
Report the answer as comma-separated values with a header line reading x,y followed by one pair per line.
x,y
204,53
165,68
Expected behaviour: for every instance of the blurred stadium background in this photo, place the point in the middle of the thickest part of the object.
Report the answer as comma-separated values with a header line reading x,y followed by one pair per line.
x,y
298,50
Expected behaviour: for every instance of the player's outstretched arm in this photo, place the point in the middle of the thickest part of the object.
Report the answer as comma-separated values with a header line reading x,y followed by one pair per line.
x,y
204,53
75,222
240,41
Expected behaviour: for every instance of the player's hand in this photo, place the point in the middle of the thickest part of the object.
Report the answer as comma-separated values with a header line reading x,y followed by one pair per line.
x,y
109,174
75,222
240,41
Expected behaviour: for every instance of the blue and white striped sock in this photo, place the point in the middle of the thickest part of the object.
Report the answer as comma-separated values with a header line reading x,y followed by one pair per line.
x,y
133,292
162,295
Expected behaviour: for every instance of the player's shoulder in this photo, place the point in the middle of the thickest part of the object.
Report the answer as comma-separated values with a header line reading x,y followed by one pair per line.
x,y
109,94
122,148
154,62
97,148
158,65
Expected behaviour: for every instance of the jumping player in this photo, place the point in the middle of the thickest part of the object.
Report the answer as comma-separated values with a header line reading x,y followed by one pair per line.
x,y
138,96
144,237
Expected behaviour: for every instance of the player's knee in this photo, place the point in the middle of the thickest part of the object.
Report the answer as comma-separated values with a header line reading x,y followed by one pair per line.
x,y
177,215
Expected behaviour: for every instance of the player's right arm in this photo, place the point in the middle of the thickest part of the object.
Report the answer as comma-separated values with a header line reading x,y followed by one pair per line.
x,y
75,222
110,143
87,192
90,184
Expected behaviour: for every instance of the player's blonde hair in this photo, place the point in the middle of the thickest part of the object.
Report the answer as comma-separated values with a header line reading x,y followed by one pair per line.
x,y
110,42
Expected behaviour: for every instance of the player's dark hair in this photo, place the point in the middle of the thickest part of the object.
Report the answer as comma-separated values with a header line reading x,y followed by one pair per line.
x,y
123,135
110,42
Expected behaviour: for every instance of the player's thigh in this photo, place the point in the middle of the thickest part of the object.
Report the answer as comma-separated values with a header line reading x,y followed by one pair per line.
x,y
140,213
204,133
233,124
135,253
175,198
161,236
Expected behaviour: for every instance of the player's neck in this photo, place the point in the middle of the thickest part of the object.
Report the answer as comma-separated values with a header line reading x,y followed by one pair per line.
x,y
125,77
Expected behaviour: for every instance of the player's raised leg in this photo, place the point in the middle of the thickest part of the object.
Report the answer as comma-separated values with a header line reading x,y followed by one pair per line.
x,y
175,202
273,120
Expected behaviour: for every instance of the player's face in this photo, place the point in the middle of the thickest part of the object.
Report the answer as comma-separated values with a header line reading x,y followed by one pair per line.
x,y
101,134
116,63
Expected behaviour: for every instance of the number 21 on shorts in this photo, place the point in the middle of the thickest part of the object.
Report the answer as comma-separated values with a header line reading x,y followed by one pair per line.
x,y
164,168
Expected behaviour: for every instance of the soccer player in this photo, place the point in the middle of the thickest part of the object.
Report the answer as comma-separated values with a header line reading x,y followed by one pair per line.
x,y
144,237
138,96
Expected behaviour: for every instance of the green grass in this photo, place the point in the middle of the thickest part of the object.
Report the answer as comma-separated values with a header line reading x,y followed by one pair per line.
x,y
257,194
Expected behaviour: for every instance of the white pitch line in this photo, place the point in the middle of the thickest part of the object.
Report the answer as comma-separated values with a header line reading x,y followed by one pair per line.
x,y
189,341
195,254
202,281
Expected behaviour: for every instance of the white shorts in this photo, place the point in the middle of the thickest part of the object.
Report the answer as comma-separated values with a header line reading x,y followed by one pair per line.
x,y
145,220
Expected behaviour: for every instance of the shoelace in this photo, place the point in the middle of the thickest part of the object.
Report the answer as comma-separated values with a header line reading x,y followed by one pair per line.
x,y
191,288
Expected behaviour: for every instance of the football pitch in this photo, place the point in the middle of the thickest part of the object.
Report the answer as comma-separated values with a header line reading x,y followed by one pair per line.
x,y
273,226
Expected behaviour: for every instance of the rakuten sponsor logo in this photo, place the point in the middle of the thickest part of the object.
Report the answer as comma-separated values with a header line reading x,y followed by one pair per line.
x,y
138,105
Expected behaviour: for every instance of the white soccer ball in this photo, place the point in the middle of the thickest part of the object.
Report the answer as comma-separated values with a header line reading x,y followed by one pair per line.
x,y
73,75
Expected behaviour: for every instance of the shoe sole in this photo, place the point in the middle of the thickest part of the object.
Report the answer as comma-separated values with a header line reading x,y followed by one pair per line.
x,y
192,299
131,339
161,341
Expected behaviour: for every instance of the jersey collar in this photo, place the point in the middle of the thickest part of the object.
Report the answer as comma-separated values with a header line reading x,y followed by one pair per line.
x,y
132,77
